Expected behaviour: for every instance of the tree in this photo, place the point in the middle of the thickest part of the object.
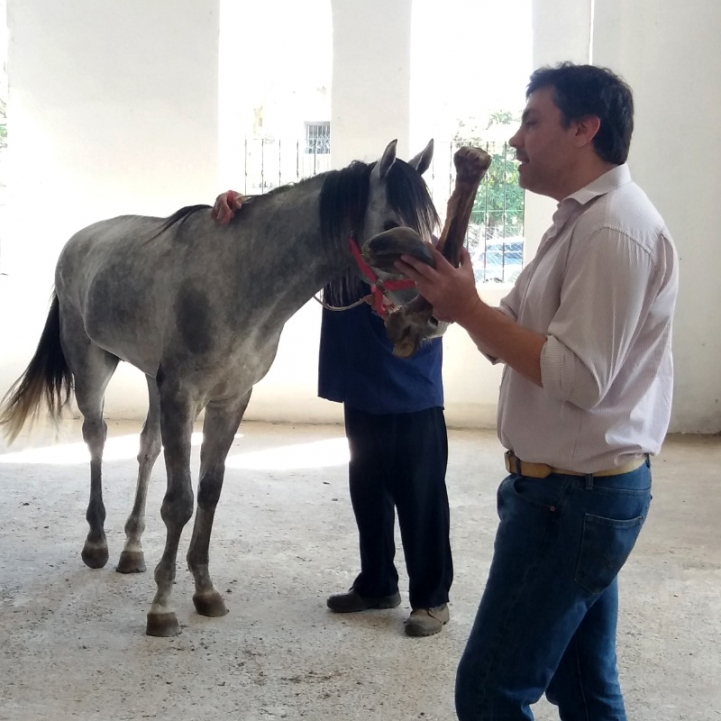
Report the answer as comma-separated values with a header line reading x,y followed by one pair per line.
x,y
498,208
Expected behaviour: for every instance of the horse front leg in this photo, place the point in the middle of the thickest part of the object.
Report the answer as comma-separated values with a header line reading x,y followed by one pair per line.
x,y
132,559
177,414
221,423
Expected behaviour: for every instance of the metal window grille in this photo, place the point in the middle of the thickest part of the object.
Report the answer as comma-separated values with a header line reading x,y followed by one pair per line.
x,y
317,138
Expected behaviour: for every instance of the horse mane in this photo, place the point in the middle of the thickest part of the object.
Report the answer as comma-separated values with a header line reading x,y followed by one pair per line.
x,y
178,217
182,214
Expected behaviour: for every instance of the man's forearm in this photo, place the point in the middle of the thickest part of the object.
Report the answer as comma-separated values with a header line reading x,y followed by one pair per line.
x,y
497,335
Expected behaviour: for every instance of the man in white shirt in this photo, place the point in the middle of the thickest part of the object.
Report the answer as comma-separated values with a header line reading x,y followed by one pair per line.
x,y
585,400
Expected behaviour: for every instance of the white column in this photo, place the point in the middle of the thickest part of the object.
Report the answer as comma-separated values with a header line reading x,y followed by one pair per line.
x,y
561,31
670,55
371,78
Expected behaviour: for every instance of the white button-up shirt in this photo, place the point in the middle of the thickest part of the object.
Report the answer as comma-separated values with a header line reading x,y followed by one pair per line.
x,y
602,288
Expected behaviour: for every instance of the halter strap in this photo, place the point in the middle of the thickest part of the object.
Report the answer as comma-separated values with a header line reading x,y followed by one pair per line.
x,y
378,286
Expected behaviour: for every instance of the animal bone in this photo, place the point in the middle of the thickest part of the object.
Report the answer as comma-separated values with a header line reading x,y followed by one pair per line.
x,y
411,324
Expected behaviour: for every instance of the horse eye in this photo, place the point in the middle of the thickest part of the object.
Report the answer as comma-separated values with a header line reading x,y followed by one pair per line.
x,y
390,224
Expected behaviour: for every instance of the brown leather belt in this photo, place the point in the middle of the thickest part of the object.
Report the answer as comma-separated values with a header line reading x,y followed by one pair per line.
x,y
542,470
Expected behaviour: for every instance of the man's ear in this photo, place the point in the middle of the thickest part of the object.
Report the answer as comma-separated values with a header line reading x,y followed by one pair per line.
x,y
586,129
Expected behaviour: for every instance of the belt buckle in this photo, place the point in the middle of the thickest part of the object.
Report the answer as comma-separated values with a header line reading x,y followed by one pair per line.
x,y
513,464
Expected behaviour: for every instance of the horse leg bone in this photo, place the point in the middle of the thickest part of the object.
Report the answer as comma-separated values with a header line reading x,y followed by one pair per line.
x,y
219,428
176,425
132,559
471,165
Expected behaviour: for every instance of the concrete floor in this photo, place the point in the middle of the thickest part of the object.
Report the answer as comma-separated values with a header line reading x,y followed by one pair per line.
x,y
72,642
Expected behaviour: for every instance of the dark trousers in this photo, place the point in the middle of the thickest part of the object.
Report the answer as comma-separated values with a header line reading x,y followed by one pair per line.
x,y
398,461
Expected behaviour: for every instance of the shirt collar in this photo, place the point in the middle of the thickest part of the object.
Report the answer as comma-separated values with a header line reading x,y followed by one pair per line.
x,y
610,180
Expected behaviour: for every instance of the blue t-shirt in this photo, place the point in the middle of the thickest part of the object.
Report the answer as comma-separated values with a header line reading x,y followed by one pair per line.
x,y
357,366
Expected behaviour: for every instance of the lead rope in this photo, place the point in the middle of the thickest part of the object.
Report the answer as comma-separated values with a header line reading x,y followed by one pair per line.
x,y
378,287
338,307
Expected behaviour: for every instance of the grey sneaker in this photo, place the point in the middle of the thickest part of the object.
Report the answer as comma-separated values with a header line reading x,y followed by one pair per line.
x,y
352,602
427,621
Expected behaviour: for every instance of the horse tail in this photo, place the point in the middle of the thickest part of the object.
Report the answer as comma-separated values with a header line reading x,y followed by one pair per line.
x,y
47,377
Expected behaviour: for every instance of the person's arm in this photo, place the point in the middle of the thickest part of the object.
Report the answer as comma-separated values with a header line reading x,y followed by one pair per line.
x,y
603,302
225,206
453,295
611,282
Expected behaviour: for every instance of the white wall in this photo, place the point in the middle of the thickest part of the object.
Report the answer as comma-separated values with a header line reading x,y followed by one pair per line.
x,y
370,103
561,31
669,53
112,109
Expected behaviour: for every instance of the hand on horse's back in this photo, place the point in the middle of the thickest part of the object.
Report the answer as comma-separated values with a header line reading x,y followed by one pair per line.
x,y
225,206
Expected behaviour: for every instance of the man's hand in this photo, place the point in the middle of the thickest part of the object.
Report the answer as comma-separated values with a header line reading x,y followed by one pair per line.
x,y
453,295
451,291
225,206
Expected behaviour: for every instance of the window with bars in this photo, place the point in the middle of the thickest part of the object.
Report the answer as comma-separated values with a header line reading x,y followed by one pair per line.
x,y
317,138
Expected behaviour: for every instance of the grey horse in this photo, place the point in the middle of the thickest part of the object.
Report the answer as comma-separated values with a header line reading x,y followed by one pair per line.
x,y
199,308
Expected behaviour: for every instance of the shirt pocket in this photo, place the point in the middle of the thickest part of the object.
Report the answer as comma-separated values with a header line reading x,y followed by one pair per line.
x,y
606,544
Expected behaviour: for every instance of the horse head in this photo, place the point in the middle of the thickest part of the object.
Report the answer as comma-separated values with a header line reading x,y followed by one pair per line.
x,y
385,196
413,322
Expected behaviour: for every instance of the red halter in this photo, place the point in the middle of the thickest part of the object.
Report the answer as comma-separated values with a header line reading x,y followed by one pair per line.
x,y
378,286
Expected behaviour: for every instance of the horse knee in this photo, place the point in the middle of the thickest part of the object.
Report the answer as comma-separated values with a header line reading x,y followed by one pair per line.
x,y
149,449
177,508
209,491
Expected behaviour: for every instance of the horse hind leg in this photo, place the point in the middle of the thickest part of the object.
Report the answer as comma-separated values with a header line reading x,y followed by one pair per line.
x,y
221,423
132,559
92,369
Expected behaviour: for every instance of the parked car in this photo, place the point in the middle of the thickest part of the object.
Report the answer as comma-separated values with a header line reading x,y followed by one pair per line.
x,y
501,261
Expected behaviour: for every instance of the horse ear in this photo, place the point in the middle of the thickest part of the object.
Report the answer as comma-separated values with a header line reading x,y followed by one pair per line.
x,y
422,161
389,157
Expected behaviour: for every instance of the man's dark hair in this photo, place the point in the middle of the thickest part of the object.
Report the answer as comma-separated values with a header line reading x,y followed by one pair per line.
x,y
583,90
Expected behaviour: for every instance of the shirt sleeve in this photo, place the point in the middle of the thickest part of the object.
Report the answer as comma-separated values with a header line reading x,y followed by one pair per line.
x,y
604,299
511,302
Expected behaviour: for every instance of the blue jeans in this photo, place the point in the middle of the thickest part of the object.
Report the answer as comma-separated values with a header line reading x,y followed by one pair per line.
x,y
547,619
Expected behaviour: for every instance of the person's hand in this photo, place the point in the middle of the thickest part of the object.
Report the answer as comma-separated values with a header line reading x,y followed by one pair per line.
x,y
225,206
451,291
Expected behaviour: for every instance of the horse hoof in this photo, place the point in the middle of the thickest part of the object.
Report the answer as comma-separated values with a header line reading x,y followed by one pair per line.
x,y
94,556
162,624
210,605
131,562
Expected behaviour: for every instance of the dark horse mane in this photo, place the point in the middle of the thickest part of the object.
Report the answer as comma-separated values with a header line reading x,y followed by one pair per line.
x,y
343,204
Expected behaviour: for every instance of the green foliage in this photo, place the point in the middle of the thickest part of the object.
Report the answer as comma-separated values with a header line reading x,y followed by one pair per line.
x,y
499,203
